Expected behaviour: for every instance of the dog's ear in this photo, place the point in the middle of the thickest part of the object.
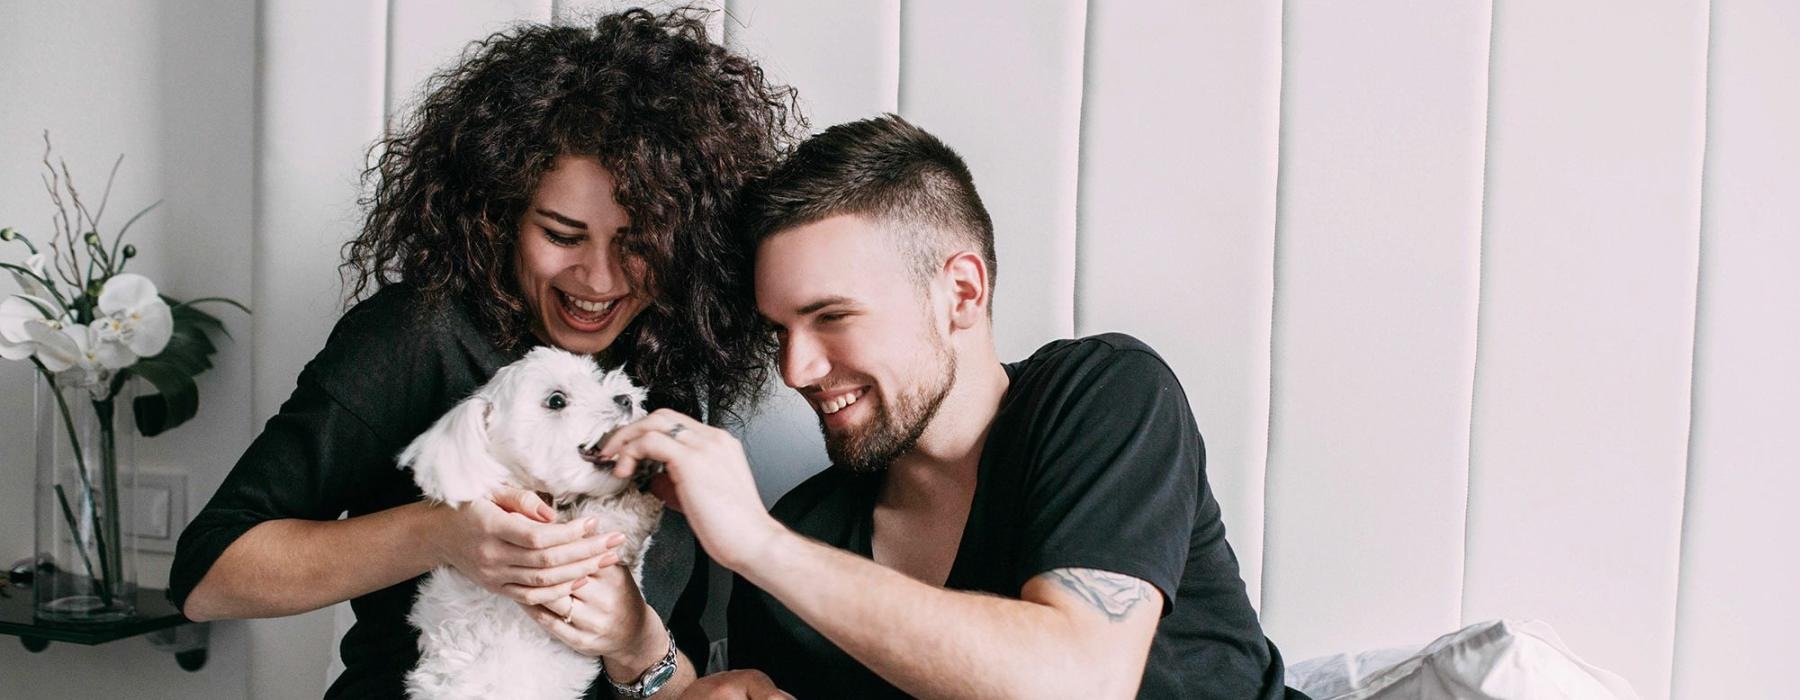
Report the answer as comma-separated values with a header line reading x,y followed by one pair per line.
x,y
452,461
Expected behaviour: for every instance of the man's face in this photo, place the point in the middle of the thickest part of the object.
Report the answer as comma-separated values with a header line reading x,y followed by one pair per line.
x,y
860,339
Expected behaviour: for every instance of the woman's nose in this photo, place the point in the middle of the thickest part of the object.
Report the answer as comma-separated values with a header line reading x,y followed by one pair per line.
x,y
601,269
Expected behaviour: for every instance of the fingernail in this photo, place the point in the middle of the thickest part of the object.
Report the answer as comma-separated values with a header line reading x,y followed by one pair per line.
x,y
579,583
589,526
615,540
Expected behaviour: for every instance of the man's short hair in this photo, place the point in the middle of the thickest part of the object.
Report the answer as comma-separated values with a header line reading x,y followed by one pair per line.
x,y
886,169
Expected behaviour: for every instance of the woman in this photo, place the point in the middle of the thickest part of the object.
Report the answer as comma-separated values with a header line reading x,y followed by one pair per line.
x,y
564,186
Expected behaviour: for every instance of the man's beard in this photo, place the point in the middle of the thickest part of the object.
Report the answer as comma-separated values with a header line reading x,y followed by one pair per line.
x,y
894,429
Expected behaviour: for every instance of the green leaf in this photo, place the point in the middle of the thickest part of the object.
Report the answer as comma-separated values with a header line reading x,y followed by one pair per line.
x,y
190,352
177,398
200,340
190,316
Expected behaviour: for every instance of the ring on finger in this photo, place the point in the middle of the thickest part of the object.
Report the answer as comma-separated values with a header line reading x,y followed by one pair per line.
x,y
675,432
569,616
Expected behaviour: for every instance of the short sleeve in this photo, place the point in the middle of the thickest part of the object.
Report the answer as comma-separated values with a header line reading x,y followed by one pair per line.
x,y
390,366
1116,472
303,465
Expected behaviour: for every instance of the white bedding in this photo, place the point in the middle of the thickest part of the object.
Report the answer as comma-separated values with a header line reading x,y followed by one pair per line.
x,y
1498,659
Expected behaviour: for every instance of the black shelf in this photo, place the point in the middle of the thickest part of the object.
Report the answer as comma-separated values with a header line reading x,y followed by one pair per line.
x,y
154,614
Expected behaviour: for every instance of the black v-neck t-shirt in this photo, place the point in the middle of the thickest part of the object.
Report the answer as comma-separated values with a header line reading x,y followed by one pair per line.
x,y
1092,461
393,364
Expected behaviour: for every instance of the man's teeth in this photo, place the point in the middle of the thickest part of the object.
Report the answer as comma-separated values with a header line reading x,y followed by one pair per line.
x,y
841,402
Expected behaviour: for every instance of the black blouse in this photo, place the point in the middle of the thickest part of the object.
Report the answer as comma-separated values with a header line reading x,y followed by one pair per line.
x,y
391,367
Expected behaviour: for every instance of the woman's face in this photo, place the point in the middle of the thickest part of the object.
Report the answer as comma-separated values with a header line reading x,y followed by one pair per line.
x,y
582,292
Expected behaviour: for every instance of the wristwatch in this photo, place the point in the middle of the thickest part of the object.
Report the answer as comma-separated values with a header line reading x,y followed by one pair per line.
x,y
651,680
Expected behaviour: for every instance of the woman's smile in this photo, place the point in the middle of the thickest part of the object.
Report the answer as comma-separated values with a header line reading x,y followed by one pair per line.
x,y
585,316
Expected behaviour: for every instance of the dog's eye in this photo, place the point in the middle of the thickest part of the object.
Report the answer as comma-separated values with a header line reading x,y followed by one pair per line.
x,y
623,400
556,401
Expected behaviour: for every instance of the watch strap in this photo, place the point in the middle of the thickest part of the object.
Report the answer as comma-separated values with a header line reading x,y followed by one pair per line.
x,y
650,681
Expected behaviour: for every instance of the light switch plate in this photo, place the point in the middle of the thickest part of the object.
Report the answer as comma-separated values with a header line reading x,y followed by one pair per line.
x,y
160,500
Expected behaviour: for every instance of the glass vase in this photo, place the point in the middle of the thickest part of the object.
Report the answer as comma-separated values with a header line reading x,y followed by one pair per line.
x,y
86,547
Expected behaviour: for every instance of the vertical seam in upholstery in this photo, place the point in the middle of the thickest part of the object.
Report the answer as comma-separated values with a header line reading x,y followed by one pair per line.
x,y
1487,121
727,19
259,100
894,28
387,70
900,105
1700,229
1274,282
1081,172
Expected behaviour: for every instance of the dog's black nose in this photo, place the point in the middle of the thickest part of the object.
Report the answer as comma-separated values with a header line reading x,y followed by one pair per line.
x,y
623,400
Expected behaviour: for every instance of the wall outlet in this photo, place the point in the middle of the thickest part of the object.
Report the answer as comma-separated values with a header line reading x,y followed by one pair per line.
x,y
160,499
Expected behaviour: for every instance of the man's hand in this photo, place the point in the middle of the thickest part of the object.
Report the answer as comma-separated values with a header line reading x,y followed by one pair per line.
x,y
735,685
710,479
509,546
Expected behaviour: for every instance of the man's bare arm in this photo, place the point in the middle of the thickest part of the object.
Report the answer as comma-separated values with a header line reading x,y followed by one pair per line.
x,y
1072,632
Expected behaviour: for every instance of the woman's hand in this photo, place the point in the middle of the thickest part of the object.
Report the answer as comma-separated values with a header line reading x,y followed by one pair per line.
x,y
509,546
607,619
735,685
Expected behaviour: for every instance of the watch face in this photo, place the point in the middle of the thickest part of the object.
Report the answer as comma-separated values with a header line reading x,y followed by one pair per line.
x,y
658,678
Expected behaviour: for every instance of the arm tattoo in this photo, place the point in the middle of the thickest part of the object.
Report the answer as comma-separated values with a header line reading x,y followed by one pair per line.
x,y
1112,594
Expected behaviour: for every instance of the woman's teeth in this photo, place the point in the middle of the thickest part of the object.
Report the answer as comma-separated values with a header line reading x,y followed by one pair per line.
x,y
593,309
841,402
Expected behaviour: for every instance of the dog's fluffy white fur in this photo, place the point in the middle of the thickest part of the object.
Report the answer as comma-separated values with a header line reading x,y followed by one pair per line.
x,y
535,426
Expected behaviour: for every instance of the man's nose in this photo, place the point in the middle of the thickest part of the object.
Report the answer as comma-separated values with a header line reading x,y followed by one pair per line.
x,y
802,362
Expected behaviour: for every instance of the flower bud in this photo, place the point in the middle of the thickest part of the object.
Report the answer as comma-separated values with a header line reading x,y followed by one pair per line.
x,y
130,251
7,234
92,238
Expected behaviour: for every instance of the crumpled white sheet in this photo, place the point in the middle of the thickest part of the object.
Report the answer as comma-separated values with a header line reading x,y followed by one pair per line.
x,y
1497,659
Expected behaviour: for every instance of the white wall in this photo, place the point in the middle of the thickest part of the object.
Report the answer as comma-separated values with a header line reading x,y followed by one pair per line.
x,y
1486,309
170,85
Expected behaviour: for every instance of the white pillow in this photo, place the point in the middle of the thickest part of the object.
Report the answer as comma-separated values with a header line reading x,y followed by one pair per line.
x,y
1498,659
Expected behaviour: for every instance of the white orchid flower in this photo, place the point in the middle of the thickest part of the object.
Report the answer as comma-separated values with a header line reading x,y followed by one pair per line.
x,y
39,265
15,343
131,321
65,346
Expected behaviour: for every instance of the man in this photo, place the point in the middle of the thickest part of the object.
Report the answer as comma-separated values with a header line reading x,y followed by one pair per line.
x,y
1036,529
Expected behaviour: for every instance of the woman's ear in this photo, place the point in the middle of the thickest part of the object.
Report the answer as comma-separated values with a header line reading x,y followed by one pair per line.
x,y
452,461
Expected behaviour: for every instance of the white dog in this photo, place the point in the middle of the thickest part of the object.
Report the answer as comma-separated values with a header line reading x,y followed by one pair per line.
x,y
536,425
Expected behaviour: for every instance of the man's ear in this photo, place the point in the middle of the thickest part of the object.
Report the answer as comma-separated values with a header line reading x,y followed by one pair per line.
x,y
966,277
453,461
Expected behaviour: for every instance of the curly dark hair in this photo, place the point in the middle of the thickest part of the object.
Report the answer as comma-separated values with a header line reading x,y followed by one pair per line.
x,y
680,122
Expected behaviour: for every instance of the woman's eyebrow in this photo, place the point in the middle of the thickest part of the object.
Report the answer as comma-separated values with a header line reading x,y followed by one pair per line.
x,y
564,220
